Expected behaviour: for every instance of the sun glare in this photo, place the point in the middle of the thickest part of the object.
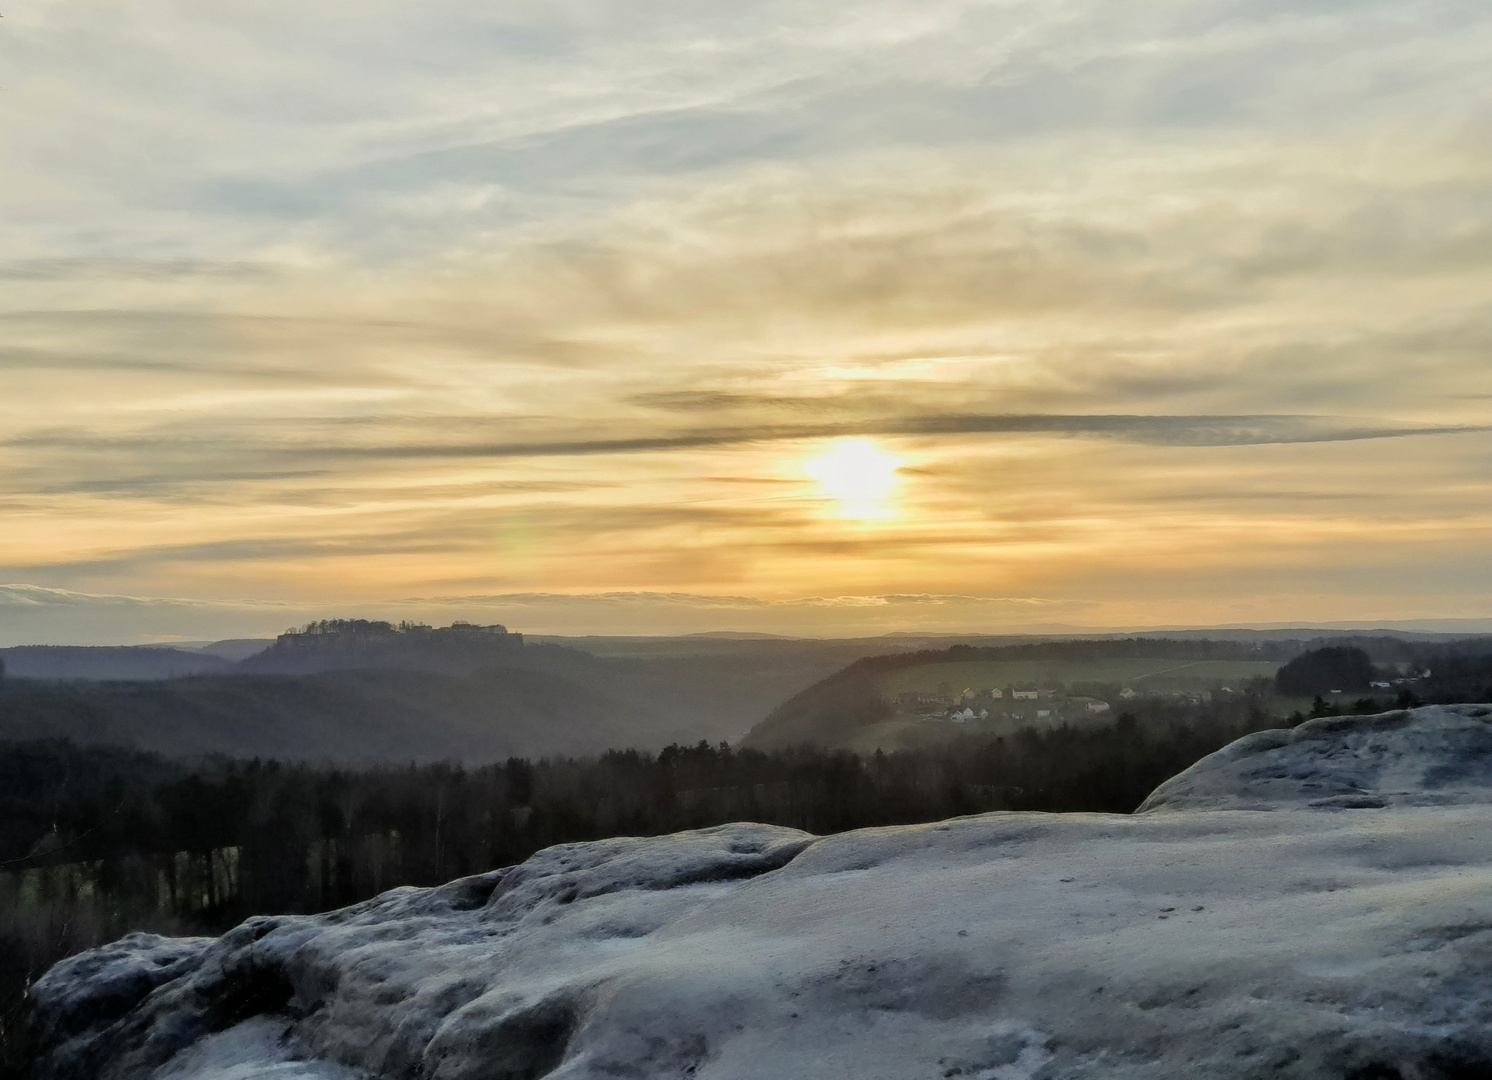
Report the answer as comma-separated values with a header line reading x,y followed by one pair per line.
x,y
858,475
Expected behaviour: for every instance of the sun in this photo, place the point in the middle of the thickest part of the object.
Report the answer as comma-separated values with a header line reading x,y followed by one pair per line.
x,y
858,475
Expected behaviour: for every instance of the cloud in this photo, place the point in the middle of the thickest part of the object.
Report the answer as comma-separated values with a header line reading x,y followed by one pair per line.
x,y
406,300
68,269
1157,430
293,456
32,612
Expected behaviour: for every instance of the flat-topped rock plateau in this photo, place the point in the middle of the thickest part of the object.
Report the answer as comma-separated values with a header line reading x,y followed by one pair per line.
x,y
1305,903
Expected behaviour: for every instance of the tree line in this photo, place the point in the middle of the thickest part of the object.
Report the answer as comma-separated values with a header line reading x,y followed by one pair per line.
x,y
221,839
95,842
98,841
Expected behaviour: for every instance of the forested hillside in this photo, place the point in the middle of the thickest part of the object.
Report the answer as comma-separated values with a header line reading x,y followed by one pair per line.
x,y
97,842
529,700
107,662
907,699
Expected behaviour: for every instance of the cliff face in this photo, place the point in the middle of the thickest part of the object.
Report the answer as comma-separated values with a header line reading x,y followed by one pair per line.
x,y
1315,903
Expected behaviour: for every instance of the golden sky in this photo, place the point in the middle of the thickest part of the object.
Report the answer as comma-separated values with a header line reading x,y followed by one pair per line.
x,y
802,317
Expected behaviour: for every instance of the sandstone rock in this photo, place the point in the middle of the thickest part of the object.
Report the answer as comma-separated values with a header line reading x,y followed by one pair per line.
x,y
1346,933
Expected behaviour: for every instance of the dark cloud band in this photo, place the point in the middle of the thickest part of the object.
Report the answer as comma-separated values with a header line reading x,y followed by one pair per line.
x,y
1152,430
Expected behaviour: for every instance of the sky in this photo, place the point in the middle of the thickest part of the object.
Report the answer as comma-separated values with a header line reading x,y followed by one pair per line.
x,y
816,318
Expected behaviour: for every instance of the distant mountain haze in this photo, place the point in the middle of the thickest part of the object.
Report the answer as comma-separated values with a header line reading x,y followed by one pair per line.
x,y
105,662
234,649
349,716
369,692
904,699
365,692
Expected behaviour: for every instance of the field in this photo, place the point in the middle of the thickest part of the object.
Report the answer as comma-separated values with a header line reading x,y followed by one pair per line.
x,y
1145,676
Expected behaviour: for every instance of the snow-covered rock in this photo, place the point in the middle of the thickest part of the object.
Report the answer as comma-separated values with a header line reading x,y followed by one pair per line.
x,y
1345,934
1434,756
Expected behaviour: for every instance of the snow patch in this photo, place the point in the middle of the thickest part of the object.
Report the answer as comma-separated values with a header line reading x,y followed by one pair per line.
x,y
257,1049
1432,756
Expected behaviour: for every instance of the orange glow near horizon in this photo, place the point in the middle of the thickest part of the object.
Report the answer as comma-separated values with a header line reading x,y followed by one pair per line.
x,y
780,319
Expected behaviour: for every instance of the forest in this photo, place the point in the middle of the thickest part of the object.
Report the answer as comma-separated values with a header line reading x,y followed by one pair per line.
x,y
97,841
470,697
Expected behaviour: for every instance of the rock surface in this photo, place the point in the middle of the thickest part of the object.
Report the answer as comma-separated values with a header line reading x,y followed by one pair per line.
x,y
1435,756
1346,933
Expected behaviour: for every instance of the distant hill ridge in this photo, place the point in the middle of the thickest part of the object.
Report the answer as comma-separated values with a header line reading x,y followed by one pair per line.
x,y
108,662
358,644
829,711
329,645
354,691
361,692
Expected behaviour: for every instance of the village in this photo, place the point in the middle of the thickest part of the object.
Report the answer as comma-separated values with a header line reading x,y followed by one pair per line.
x,y
1035,705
